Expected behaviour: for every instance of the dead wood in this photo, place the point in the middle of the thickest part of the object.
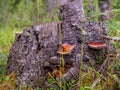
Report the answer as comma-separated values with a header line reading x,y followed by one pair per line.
x,y
34,52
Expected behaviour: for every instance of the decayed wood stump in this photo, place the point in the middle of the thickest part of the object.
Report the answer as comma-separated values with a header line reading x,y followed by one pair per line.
x,y
34,52
30,50
95,33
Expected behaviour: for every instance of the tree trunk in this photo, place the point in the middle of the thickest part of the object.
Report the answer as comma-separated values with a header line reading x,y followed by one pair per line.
x,y
51,4
34,52
105,6
4,12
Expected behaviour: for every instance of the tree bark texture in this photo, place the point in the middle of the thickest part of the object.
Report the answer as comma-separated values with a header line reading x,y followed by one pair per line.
x,y
34,52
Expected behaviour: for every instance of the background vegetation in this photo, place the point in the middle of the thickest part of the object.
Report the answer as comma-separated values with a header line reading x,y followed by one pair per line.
x,y
15,15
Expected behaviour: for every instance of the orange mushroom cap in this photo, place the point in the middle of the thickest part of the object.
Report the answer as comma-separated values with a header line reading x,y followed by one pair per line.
x,y
97,45
65,48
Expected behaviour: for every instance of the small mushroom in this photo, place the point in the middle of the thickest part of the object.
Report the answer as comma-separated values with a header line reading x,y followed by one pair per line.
x,y
97,45
66,48
54,60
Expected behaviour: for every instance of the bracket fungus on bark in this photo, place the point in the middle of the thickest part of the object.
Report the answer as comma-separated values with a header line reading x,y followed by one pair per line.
x,y
97,45
66,48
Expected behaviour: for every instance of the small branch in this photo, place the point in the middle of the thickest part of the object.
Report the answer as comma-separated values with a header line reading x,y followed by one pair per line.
x,y
104,64
95,82
112,38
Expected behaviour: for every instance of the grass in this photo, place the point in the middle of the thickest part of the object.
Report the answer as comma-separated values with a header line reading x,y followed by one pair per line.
x,y
7,36
6,39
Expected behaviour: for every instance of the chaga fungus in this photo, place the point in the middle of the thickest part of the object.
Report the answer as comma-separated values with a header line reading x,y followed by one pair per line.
x,y
97,45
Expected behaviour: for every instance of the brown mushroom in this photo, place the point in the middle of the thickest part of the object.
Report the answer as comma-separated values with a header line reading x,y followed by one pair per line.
x,y
65,48
97,45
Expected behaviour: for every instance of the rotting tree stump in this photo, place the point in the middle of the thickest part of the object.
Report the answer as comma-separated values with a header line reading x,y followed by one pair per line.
x,y
34,52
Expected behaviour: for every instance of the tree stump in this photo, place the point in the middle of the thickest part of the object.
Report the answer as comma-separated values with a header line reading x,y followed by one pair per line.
x,y
34,52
